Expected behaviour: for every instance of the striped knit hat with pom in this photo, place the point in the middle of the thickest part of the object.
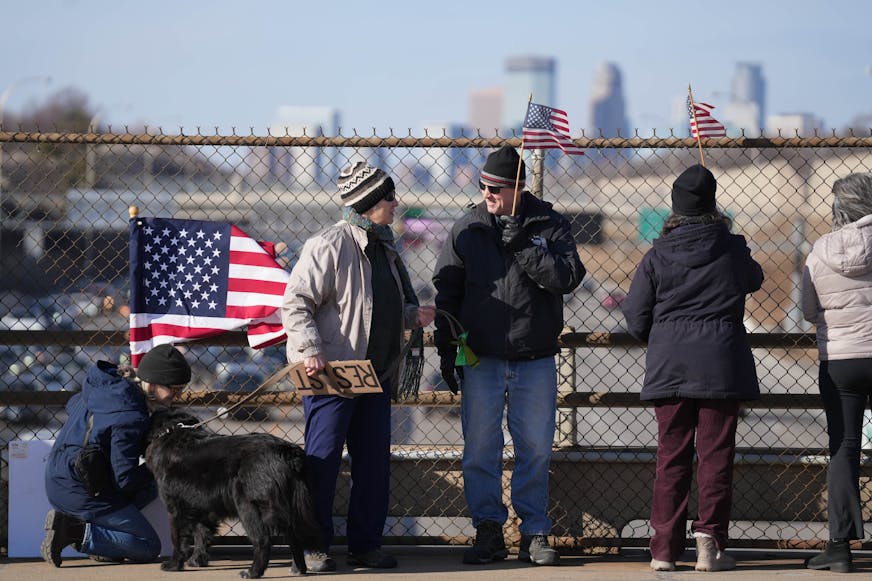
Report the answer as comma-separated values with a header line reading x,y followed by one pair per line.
x,y
361,186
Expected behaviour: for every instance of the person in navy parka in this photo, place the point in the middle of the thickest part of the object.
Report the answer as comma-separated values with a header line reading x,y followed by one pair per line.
x,y
687,300
110,526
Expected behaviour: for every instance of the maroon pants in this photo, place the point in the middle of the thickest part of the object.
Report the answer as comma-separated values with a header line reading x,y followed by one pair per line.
x,y
714,423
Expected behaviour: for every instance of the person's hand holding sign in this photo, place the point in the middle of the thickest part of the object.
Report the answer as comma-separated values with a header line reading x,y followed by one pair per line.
x,y
314,364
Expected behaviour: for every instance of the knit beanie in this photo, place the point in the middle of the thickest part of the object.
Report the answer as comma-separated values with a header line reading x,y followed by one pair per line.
x,y
164,365
501,168
693,192
361,186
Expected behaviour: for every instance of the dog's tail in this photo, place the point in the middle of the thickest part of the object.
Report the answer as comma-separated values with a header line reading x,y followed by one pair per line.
x,y
305,525
304,522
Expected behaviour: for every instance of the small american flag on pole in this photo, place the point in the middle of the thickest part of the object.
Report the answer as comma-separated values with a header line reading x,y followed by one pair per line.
x,y
704,125
191,279
548,128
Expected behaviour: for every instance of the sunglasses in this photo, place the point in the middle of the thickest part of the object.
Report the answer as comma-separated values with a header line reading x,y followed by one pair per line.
x,y
390,196
493,189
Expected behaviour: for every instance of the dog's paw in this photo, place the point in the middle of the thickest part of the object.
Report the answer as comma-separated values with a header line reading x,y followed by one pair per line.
x,y
201,560
171,565
246,574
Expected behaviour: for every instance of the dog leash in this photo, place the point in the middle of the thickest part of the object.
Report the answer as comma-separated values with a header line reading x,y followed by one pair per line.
x,y
269,382
273,379
453,324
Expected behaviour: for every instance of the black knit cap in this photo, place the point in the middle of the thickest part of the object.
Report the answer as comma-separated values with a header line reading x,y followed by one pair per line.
x,y
693,192
164,365
362,186
501,168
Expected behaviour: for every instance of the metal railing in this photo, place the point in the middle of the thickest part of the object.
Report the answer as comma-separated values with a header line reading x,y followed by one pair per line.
x,y
63,295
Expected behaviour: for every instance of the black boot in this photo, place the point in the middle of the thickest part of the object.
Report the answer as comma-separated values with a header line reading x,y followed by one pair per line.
x,y
489,546
836,557
61,530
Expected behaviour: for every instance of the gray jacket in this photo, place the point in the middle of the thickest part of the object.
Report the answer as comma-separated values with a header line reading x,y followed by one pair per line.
x,y
327,307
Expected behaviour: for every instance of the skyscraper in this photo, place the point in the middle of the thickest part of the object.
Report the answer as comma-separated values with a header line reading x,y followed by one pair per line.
x,y
607,109
485,110
444,164
297,166
747,107
793,124
526,75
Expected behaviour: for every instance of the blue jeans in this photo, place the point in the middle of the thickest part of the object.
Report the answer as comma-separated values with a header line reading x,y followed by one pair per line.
x,y
123,534
528,389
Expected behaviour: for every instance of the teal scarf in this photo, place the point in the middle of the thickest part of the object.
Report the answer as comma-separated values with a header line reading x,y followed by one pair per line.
x,y
383,231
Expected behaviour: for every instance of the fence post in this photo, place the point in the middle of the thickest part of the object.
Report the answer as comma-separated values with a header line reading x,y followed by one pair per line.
x,y
536,186
567,422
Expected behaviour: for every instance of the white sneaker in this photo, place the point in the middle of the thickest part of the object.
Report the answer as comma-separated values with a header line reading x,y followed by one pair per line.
x,y
662,565
709,558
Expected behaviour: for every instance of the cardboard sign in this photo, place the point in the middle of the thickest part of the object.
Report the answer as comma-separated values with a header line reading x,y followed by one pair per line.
x,y
345,378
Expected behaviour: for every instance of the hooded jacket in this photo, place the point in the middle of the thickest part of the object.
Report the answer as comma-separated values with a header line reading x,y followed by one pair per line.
x,y
837,291
687,300
120,421
511,304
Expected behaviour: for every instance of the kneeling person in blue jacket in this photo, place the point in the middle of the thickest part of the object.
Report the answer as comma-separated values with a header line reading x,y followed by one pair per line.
x,y
111,413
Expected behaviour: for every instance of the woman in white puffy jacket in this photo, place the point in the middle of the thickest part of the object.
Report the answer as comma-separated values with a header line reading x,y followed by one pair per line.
x,y
837,298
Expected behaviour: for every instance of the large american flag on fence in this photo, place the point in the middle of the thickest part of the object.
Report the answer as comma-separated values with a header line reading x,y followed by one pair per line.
x,y
704,125
548,128
191,279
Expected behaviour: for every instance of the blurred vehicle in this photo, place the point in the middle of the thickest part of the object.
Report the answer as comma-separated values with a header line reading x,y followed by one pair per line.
x,y
433,382
20,318
57,311
613,299
609,295
240,378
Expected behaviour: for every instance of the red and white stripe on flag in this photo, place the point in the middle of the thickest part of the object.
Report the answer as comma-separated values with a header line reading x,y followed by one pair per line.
x,y
548,128
705,125
193,279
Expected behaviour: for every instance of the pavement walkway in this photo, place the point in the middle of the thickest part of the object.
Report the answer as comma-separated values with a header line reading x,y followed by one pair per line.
x,y
443,564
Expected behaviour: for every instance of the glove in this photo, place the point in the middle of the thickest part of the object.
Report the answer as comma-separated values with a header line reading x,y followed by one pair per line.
x,y
514,238
448,370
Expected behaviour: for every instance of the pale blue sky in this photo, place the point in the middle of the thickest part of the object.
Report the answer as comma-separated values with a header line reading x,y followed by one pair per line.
x,y
399,63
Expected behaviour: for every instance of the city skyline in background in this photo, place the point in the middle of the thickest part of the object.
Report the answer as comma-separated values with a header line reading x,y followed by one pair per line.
x,y
373,69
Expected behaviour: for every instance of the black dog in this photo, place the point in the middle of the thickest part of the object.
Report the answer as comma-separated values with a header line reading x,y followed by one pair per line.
x,y
205,478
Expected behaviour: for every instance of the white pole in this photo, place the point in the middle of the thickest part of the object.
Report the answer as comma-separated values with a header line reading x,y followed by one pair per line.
x,y
91,154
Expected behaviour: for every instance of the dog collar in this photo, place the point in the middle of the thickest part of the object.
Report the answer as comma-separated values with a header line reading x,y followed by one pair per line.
x,y
169,430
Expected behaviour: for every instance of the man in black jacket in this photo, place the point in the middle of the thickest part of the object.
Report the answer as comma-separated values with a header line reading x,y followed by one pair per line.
x,y
502,275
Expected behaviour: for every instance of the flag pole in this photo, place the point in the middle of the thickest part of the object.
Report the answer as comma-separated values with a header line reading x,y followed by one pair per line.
x,y
695,124
520,161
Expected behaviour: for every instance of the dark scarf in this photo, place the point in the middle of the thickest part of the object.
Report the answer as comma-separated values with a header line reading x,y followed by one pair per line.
x,y
406,387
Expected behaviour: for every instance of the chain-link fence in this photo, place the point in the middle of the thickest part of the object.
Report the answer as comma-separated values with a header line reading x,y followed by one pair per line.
x,y
64,201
